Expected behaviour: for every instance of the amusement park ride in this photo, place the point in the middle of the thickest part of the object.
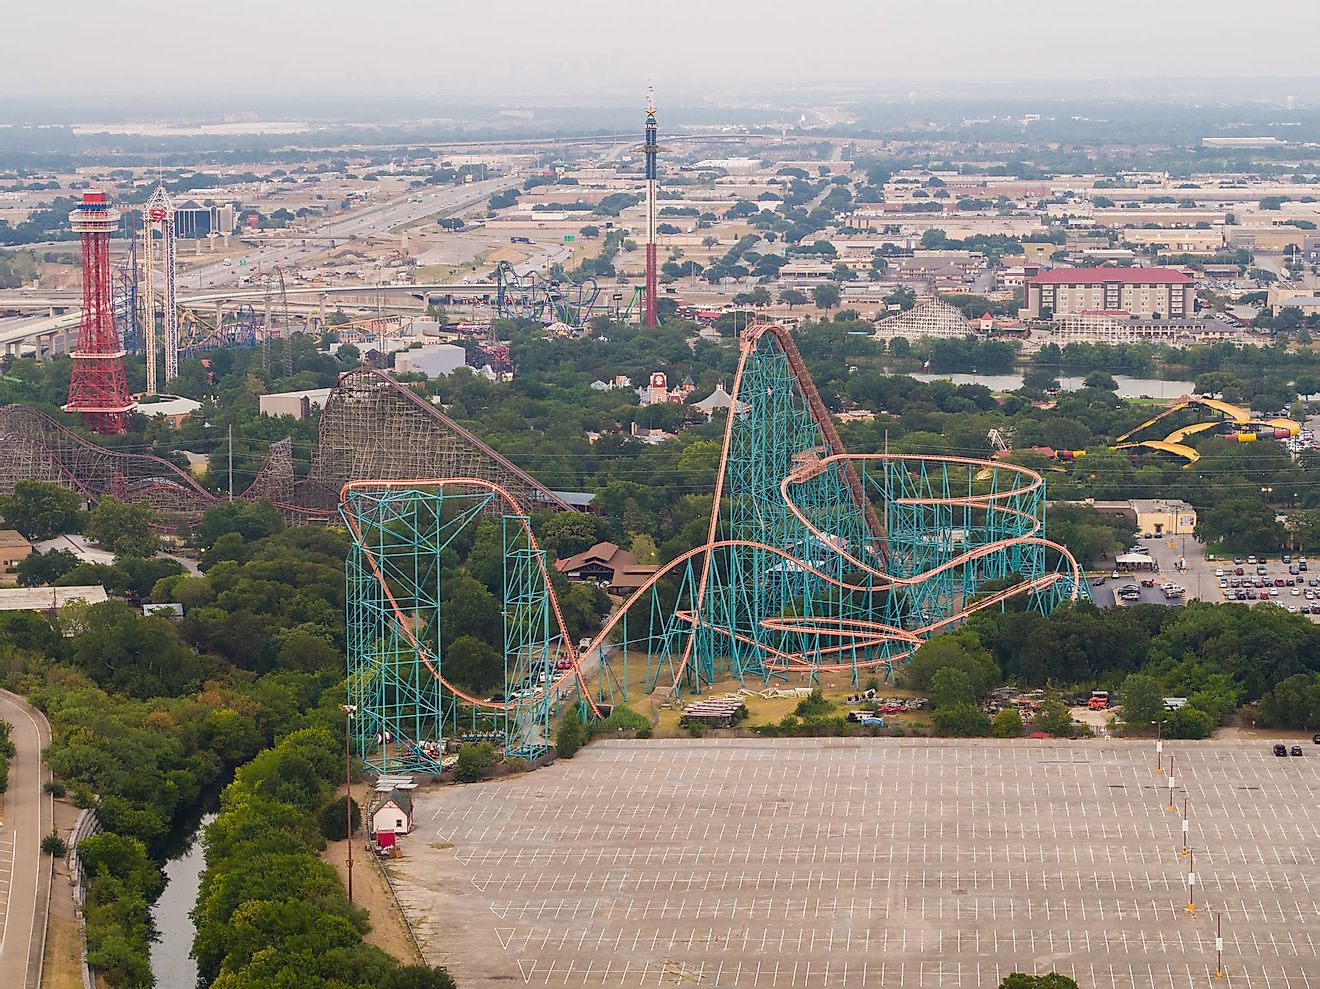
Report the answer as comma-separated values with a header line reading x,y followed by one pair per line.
x,y
1234,424
816,562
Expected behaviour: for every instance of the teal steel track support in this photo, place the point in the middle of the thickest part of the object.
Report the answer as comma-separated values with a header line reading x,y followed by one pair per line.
x,y
529,664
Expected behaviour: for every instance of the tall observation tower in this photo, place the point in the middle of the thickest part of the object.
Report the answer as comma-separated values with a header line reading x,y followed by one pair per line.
x,y
650,149
98,388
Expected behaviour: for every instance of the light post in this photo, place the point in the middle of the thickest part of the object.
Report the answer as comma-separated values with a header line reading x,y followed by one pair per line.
x,y
1172,782
1219,946
1191,883
349,710
1159,747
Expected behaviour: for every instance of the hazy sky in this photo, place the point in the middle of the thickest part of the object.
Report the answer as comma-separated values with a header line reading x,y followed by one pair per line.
x,y
587,48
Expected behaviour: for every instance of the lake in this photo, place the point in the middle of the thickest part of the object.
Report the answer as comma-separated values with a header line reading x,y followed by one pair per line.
x,y
171,956
1128,387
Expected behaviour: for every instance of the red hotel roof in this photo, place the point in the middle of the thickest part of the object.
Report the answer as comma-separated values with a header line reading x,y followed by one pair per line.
x,y
1129,276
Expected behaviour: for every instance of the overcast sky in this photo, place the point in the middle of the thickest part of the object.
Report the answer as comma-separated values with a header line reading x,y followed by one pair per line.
x,y
585,48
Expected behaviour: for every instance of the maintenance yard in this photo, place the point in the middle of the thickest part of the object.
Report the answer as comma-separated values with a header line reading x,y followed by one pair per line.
x,y
872,862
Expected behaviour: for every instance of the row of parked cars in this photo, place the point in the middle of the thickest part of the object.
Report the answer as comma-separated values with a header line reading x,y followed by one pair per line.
x,y
1282,750
1236,583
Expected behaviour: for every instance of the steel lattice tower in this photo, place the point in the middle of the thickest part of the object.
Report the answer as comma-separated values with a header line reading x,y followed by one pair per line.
x,y
159,211
650,151
98,389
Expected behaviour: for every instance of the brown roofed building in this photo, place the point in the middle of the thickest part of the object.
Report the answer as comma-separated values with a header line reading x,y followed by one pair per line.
x,y
608,565
14,549
1146,292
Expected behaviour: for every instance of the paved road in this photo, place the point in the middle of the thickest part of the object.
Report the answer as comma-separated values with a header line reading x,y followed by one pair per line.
x,y
24,872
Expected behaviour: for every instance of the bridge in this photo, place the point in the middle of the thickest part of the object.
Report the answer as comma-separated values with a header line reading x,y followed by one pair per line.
x,y
56,331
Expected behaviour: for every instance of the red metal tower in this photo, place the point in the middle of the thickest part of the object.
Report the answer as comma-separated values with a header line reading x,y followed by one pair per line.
x,y
98,389
650,150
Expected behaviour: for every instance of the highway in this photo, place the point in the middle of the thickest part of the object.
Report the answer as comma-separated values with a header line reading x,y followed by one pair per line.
x,y
25,873
287,252
377,218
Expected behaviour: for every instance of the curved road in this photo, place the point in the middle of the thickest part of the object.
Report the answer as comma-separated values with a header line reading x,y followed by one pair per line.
x,y
25,873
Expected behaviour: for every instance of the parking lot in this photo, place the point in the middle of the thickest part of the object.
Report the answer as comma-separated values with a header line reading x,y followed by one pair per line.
x,y
877,862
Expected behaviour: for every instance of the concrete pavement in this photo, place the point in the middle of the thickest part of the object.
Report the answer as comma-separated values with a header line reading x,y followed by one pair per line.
x,y
25,874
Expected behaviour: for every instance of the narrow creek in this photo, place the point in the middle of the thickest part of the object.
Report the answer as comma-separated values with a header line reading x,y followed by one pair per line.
x,y
171,956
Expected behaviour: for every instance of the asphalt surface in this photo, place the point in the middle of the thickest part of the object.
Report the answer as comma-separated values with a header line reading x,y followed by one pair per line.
x,y
747,863
25,874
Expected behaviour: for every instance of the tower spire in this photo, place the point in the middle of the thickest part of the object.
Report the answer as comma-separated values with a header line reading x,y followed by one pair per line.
x,y
650,150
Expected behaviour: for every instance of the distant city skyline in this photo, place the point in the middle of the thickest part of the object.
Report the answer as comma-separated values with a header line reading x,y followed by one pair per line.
x,y
593,48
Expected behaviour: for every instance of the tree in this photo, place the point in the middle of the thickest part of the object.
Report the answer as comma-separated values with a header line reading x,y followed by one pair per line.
x,y
949,686
960,721
1053,980
470,609
39,569
1006,724
1053,717
474,762
568,533
961,650
123,526
418,977
644,550
1293,703
40,510
1243,524
252,520
571,735
1188,722
826,296
474,664
1143,703
793,297
332,822
1102,380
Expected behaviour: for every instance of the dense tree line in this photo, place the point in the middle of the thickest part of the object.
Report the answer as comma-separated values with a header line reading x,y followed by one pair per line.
x,y
1218,656
269,912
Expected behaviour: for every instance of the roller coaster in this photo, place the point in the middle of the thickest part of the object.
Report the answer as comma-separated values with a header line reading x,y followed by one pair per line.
x,y
816,562
1235,424
547,300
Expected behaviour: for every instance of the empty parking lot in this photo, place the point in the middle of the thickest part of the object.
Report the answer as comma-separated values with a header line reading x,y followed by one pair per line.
x,y
870,862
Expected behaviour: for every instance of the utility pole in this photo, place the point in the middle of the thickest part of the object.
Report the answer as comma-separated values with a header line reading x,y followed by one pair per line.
x,y
1172,782
1159,747
349,711
231,462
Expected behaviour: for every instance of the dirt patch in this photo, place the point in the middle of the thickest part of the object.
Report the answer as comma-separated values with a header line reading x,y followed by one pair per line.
x,y
370,893
60,969
61,966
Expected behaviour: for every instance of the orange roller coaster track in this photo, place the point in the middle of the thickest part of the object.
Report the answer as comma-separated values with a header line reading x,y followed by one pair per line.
x,y
816,562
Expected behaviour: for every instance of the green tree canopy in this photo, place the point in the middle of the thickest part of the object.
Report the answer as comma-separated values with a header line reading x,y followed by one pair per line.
x,y
123,526
41,510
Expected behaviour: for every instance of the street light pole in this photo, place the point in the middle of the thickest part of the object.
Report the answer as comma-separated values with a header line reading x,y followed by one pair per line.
x,y
349,711
1159,747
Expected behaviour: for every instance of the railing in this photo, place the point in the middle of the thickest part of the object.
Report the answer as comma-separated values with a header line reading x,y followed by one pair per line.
x,y
89,823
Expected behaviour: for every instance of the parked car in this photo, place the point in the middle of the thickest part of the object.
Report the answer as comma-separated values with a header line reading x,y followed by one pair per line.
x,y
1296,750
1281,750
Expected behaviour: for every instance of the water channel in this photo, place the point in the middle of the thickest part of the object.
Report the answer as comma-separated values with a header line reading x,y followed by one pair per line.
x,y
171,956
